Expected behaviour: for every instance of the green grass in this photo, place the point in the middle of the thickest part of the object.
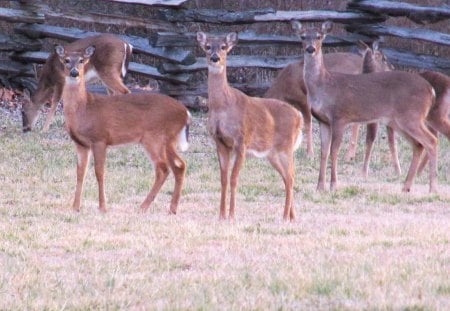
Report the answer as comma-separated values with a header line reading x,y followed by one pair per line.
x,y
365,246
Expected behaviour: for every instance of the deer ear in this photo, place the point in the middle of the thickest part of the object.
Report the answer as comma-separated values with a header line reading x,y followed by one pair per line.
x,y
362,47
89,51
376,45
296,25
201,38
327,26
59,49
231,40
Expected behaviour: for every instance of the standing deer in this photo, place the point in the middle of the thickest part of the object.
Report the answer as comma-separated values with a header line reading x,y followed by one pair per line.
x,y
285,87
402,100
242,125
109,64
94,122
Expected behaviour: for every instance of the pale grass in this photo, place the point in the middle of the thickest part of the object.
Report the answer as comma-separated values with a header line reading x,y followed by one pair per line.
x,y
366,246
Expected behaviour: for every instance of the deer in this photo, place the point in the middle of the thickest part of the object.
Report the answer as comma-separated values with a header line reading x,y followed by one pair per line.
x,y
401,100
109,65
95,122
437,119
241,125
285,87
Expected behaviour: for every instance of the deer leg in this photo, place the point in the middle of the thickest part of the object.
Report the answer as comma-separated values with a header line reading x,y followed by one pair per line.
x,y
178,167
351,152
99,152
337,133
372,129
223,153
83,154
284,164
238,161
424,160
307,118
114,83
158,157
325,143
393,148
56,97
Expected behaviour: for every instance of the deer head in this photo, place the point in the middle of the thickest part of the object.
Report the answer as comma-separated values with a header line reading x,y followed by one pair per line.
x,y
374,58
312,38
216,49
74,62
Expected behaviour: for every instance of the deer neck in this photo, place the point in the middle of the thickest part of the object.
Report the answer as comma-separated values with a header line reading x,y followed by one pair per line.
x,y
218,88
314,72
74,97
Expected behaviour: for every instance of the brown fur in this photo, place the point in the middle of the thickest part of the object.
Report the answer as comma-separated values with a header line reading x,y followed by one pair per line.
x,y
240,124
96,121
108,61
289,86
340,99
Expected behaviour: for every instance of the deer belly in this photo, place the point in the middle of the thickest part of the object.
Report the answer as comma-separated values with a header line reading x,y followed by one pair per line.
x,y
258,154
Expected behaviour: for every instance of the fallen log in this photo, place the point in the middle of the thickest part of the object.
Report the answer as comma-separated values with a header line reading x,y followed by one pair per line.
x,y
159,3
266,15
20,16
18,43
406,33
145,70
140,45
418,14
420,61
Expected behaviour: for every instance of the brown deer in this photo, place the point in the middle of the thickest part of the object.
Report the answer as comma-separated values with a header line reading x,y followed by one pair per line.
x,y
94,122
109,64
285,87
402,100
242,125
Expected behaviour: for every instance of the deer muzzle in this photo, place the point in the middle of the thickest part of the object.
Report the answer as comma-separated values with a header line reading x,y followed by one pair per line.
x,y
74,73
310,49
215,58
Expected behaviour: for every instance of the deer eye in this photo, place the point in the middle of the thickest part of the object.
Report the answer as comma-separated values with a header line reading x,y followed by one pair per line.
x,y
303,37
223,47
318,37
67,60
208,47
81,61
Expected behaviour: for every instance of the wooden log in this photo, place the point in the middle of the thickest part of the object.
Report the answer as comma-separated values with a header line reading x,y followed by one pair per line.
x,y
13,69
406,33
145,70
420,61
418,14
20,16
249,38
17,42
265,15
158,3
234,61
140,45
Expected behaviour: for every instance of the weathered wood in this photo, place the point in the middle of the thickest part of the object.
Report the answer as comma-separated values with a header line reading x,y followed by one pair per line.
x,y
265,15
421,61
140,45
419,14
406,33
11,69
18,43
148,71
234,61
163,3
249,38
20,16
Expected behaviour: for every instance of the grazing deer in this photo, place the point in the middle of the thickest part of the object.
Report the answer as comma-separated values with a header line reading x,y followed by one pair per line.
x,y
242,125
289,86
109,64
94,122
402,100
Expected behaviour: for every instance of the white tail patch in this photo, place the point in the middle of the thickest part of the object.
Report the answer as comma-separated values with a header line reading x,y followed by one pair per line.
x,y
124,69
298,142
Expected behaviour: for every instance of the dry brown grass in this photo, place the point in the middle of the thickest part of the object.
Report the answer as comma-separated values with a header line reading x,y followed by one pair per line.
x,y
367,246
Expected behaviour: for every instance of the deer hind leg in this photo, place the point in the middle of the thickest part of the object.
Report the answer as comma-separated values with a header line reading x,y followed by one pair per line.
x,y
83,154
393,148
371,135
178,167
325,143
99,152
284,164
114,83
224,155
351,152
336,140
159,159
238,162
307,118
424,160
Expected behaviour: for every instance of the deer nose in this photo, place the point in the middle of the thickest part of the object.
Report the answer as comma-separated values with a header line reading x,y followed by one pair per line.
x,y
310,49
74,73
215,58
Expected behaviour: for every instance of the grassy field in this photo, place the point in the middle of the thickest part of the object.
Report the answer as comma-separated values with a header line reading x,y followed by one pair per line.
x,y
366,246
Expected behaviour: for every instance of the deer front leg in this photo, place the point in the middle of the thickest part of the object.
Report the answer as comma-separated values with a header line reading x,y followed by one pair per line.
x,y
238,161
325,143
99,152
393,148
223,153
178,166
337,133
351,152
56,97
83,154
372,129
